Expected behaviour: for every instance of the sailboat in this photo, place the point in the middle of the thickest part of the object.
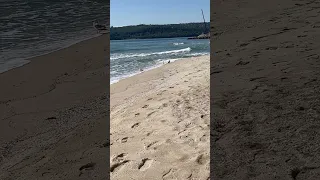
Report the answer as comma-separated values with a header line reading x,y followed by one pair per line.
x,y
203,35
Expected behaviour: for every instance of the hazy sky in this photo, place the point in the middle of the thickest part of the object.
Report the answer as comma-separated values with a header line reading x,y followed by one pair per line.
x,y
133,12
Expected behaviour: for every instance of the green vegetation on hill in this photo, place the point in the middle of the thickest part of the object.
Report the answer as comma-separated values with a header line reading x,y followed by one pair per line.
x,y
143,31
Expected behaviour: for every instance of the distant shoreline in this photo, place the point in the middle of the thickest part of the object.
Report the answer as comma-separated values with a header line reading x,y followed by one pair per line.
x,y
151,38
158,31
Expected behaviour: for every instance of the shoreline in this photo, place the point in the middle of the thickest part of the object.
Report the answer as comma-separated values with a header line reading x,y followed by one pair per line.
x,y
154,67
29,59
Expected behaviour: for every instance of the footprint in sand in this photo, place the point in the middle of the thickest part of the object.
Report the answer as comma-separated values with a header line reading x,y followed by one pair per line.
x,y
119,157
145,106
124,140
242,63
163,106
145,164
181,131
204,138
116,166
147,147
135,125
86,167
148,115
149,133
202,159
169,174
188,124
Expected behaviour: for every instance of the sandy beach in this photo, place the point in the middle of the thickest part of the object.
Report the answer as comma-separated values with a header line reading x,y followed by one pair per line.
x,y
265,90
160,123
54,115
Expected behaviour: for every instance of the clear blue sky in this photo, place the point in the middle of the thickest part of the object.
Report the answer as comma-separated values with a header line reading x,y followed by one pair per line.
x,y
134,12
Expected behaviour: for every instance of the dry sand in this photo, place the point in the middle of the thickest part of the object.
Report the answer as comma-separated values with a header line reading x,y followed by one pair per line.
x,y
160,123
265,95
54,115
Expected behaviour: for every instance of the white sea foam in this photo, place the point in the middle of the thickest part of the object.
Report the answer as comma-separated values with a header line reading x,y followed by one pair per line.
x,y
176,44
159,63
198,54
120,56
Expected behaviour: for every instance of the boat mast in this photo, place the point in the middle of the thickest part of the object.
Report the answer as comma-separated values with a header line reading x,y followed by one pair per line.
x,y
204,21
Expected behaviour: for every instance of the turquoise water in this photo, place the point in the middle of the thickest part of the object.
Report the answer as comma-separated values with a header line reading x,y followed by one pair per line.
x,y
127,57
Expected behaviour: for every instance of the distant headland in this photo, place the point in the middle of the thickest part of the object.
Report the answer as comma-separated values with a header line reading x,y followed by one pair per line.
x,y
144,31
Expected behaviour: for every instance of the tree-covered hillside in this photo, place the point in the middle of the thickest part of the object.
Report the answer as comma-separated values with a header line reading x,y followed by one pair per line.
x,y
157,31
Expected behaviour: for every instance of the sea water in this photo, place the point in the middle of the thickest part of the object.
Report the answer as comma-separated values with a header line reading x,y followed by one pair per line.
x,y
32,28
129,57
